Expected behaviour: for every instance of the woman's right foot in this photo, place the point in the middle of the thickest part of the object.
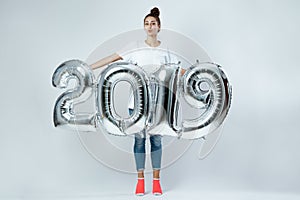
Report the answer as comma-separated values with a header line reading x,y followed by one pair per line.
x,y
140,187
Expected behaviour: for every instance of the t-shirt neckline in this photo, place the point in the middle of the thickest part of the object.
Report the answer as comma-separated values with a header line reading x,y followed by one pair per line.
x,y
152,47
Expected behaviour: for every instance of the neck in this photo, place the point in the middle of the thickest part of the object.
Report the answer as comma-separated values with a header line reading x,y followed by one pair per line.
x,y
152,41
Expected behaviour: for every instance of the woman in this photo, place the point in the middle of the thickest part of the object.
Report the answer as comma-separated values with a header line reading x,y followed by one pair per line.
x,y
148,57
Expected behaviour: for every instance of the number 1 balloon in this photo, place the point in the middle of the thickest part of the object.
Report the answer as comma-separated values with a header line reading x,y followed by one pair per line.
x,y
164,100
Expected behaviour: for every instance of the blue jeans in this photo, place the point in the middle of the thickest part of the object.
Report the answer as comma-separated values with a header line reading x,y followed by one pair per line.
x,y
140,151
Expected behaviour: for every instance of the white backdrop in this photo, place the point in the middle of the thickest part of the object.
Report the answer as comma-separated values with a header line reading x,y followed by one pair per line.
x,y
255,41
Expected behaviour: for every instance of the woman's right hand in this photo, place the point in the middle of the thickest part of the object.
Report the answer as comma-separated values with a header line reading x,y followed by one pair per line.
x,y
105,61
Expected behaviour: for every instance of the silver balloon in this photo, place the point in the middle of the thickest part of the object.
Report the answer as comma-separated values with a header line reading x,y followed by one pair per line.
x,y
157,99
64,113
108,117
164,100
205,87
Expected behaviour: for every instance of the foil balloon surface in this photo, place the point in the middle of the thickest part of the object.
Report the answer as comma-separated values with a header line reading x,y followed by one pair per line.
x,y
205,87
158,99
107,114
164,86
64,114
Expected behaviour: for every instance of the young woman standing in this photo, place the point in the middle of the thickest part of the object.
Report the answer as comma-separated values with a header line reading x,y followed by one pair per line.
x,y
151,57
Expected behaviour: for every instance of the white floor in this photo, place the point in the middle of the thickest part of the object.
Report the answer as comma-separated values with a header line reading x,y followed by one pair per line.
x,y
174,195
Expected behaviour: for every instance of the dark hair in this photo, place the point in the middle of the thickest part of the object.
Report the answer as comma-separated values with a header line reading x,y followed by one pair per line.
x,y
154,13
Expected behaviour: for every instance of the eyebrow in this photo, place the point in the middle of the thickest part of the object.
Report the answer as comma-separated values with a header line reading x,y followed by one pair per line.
x,y
150,21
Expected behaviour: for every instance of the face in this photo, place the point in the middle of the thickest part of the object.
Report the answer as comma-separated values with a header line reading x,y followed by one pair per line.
x,y
151,26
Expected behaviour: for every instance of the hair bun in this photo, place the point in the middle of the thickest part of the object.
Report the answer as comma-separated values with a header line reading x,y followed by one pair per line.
x,y
155,11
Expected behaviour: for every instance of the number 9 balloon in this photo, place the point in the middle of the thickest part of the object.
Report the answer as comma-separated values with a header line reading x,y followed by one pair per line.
x,y
205,86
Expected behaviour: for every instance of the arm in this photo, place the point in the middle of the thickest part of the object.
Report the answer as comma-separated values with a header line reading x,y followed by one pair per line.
x,y
182,71
105,61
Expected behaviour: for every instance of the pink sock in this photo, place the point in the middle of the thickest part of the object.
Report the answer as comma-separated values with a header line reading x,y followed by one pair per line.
x,y
140,187
156,189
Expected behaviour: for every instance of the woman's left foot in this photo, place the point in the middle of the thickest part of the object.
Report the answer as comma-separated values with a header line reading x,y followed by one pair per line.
x,y
156,189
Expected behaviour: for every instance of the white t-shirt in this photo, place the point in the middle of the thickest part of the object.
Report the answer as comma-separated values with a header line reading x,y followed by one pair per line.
x,y
145,56
148,58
